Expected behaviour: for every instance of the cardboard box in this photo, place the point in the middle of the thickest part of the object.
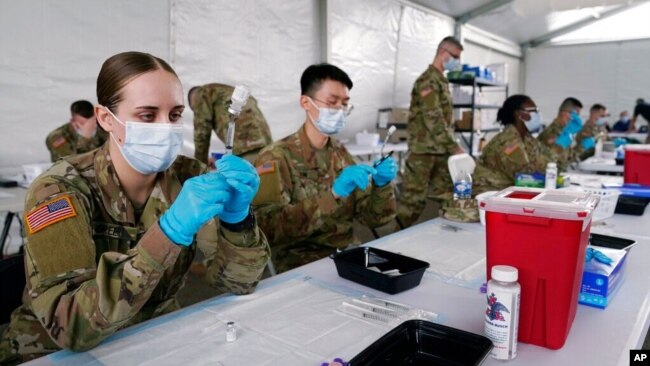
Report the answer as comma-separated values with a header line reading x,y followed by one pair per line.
x,y
465,123
600,281
397,117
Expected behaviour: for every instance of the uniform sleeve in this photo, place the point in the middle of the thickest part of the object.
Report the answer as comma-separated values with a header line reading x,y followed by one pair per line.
x,y
236,260
203,117
428,129
78,298
281,219
58,145
376,206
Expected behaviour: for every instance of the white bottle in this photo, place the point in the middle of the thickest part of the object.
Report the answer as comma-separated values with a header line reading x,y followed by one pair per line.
x,y
231,332
502,312
462,186
598,150
551,176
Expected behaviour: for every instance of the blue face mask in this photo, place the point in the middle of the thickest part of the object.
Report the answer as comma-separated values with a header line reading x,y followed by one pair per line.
x,y
330,121
150,147
451,64
575,123
600,121
534,123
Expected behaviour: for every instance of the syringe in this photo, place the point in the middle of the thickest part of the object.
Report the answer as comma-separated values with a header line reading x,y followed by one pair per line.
x,y
238,100
383,157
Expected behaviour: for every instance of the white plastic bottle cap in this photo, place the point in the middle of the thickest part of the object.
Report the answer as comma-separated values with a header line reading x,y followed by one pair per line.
x,y
505,273
552,165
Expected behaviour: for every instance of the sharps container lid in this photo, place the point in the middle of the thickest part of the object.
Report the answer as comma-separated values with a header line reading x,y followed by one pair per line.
x,y
505,273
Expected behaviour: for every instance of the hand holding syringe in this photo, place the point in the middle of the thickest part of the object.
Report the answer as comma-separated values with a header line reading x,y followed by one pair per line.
x,y
238,100
383,144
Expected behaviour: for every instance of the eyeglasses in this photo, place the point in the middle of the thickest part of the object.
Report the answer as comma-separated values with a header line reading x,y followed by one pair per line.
x,y
346,108
530,110
449,52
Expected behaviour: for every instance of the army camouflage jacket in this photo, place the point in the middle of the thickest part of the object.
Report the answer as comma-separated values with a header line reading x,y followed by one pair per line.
x,y
295,203
548,136
507,154
430,129
211,113
65,141
103,265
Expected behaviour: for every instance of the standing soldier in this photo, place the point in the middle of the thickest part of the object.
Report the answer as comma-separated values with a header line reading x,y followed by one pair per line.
x,y
431,140
311,189
79,135
210,106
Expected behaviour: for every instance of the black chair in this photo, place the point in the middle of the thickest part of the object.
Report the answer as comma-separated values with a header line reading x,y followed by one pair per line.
x,y
12,284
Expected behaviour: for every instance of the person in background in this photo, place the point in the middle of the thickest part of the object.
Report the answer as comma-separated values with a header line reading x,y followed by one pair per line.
x,y
643,109
623,123
79,135
210,106
593,129
430,136
311,188
111,233
558,136
514,150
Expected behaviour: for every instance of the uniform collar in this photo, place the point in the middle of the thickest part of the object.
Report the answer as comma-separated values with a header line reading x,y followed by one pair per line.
x,y
308,151
118,206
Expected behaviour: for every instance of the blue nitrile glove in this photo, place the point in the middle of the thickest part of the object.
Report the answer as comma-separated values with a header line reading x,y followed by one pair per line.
x,y
352,177
386,172
588,143
598,256
201,199
619,141
244,182
575,123
563,140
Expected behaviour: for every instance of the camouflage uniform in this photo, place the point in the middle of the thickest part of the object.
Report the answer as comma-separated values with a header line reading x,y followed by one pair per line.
x,y
65,141
431,142
211,113
109,265
548,136
507,154
589,129
295,206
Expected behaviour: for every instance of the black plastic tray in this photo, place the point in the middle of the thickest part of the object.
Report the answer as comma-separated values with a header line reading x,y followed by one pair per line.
x,y
629,205
610,241
419,343
352,264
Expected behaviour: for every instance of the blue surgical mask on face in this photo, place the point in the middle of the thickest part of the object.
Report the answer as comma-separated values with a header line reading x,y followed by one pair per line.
x,y
330,121
150,147
601,121
534,123
451,64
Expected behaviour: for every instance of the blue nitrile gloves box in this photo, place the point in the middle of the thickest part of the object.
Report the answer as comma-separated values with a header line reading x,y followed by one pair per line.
x,y
600,281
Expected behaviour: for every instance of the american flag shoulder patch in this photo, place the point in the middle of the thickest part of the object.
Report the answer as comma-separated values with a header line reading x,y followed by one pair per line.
x,y
266,168
510,149
58,142
49,213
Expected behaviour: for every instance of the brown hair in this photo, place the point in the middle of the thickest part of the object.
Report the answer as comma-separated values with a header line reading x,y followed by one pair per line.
x,y
119,69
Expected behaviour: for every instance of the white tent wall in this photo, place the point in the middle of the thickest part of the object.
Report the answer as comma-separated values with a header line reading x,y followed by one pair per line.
x,y
363,39
52,53
614,74
264,45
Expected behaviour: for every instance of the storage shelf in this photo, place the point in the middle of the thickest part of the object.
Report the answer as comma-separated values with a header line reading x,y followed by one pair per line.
x,y
479,82
476,106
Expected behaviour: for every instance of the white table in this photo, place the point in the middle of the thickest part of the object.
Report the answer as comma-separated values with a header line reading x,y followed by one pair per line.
x,y
634,135
600,165
361,150
281,324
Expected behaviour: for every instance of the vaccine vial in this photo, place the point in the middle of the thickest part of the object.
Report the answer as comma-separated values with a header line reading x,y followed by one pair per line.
x,y
551,176
231,332
502,312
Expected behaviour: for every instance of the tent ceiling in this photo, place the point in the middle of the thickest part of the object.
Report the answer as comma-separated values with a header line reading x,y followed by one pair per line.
x,y
522,21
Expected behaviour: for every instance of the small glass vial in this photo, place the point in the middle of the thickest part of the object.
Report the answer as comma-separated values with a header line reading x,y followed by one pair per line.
x,y
551,176
231,332
502,312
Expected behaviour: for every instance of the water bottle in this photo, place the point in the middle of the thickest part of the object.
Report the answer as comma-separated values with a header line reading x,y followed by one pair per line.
x,y
462,186
551,176
502,312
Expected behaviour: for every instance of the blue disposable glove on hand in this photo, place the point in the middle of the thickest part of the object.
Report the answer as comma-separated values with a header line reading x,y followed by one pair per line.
x,y
386,172
575,123
244,182
352,177
201,199
588,143
564,140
